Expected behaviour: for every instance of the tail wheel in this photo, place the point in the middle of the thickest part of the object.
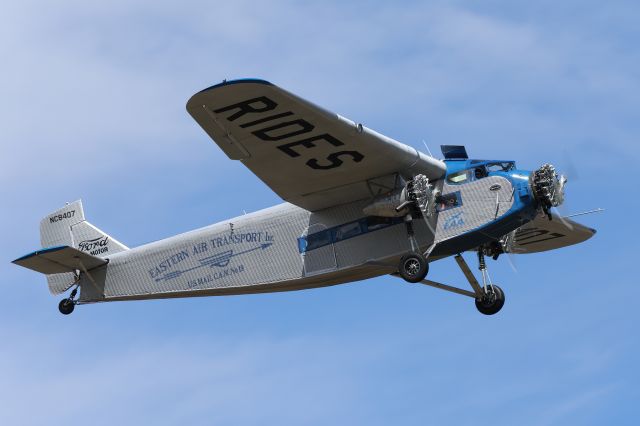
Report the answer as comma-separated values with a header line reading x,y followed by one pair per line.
x,y
413,267
66,306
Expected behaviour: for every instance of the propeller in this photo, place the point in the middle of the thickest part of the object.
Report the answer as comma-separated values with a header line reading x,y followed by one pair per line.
x,y
512,263
570,172
560,214
568,167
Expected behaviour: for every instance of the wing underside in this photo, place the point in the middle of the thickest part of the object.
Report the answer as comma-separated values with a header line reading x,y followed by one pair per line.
x,y
309,156
543,234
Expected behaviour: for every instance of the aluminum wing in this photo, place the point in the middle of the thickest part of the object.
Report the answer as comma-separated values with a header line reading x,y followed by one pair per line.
x,y
309,156
542,234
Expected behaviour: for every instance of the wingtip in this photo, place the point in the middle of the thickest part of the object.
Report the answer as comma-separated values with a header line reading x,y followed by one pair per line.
x,y
37,252
237,81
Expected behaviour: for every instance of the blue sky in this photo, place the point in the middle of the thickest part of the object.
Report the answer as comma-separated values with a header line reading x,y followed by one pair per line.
x,y
92,107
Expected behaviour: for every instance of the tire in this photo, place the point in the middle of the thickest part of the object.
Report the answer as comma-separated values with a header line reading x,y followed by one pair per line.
x,y
492,303
413,267
66,306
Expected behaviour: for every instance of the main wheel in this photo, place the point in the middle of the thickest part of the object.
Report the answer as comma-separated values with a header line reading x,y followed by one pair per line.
x,y
413,267
66,306
491,302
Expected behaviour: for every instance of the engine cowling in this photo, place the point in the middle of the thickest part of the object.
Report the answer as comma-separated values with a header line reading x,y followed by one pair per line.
x,y
386,205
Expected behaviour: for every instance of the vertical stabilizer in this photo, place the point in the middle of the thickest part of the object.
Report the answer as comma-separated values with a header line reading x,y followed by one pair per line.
x,y
55,228
68,227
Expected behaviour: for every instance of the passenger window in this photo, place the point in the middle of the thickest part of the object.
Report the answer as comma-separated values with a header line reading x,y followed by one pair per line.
x,y
347,231
458,177
318,239
377,222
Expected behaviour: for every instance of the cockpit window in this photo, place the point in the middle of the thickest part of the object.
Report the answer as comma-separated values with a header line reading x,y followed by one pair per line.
x,y
458,177
500,167
480,172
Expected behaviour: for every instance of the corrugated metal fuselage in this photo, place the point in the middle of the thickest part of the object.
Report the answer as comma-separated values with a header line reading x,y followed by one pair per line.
x,y
288,248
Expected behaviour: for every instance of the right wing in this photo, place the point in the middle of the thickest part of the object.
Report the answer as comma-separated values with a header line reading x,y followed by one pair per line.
x,y
309,156
542,234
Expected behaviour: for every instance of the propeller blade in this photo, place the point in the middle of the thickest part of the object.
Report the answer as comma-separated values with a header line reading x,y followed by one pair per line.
x,y
569,168
561,216
512,263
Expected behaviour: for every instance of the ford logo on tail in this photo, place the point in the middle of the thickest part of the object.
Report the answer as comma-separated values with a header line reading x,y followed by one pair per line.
x,y
95,246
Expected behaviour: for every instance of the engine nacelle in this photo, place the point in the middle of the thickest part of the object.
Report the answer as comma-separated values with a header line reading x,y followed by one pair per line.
x,y
417,193
386,205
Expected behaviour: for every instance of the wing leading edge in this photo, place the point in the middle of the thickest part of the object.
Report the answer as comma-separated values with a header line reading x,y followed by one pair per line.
x,y
309,156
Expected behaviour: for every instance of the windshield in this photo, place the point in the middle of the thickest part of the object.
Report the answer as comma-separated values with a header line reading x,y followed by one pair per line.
x,y
501,167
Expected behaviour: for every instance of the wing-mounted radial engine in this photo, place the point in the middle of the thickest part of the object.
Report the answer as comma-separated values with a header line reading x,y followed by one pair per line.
x,y
417,194
416,198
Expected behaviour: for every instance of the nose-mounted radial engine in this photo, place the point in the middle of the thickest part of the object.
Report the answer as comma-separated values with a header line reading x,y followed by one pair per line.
x,y
548,188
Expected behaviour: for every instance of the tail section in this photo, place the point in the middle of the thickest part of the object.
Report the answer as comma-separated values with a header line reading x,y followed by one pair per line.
x,y
68,227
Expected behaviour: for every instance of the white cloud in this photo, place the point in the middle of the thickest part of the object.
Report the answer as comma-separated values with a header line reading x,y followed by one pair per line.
x,y
93,105
109,82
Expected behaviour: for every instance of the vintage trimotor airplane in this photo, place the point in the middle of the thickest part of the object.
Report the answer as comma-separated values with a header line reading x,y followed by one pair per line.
x,y
358,205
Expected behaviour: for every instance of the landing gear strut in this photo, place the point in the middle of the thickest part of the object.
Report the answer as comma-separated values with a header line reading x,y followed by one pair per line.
x,y
413,266
492,298
489,298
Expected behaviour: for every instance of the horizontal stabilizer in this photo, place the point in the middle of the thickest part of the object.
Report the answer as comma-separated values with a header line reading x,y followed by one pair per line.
x,y
57,260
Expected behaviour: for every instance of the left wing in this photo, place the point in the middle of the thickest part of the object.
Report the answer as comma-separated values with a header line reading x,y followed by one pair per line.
x,y
309,156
